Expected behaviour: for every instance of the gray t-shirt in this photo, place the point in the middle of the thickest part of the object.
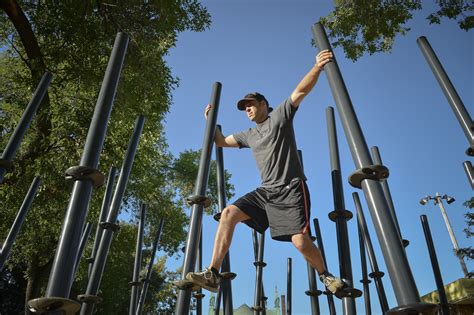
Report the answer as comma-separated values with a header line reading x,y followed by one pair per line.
x,y
273,146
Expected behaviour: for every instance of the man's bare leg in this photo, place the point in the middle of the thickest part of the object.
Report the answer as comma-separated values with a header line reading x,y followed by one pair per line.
x,y
230,216
311,253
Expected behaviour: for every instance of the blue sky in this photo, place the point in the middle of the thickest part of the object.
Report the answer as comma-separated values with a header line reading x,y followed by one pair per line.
x,y
266,46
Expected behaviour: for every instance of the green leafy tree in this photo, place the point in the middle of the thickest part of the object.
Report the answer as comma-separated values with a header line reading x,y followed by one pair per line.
x,y
372,25
73,40
468,251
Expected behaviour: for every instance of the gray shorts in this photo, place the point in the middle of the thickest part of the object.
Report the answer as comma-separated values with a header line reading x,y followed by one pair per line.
x,y
286,209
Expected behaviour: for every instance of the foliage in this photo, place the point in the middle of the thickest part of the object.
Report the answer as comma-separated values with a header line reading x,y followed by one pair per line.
x,y
468,251
73,40
372,25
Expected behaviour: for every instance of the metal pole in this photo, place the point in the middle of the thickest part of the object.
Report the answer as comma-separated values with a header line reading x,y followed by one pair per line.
x,y
376,273
146,282
340,215
82,245
313,291
25,121
469,172
226,283
288,286
449,91
283,304
61,277
184,296
198,296
401,276
138,262
103,215
363,262
217,307
451,234
319,239
20,218
386,191
110,227
434,264
259,264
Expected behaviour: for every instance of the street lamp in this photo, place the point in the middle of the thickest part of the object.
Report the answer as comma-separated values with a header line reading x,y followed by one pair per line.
x,y
438,201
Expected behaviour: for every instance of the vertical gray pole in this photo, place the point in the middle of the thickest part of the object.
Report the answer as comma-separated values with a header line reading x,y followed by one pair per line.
x,y
365,280
313,291
85,237
257,309
469,172
319,239
138,262
103,215
61,277
376,273
226,283
451,234
288,286
146,282
198,295
184,296
20,218
449,91
401,276
111,226
340,215
443,301
386,190
17,136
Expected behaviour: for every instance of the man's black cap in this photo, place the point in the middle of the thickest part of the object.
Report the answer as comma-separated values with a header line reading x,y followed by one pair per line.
x,y
251,97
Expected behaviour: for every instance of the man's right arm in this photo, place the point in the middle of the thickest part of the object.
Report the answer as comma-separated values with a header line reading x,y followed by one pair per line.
x,y
223,141
219,138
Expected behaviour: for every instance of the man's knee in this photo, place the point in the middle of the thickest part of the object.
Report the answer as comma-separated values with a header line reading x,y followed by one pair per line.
x,y
302,242
233,215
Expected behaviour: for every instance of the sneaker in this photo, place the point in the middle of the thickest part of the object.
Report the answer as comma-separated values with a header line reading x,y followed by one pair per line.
x,y
207,279
331,282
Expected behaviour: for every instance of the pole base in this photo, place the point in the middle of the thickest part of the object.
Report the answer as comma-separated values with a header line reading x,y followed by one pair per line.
x,y
54,304
414,309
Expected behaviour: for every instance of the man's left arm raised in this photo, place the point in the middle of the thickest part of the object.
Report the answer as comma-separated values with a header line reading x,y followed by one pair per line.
x,y
309,81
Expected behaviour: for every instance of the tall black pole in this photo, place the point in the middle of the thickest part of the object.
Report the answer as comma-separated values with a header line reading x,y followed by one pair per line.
x,y
469,172
449,91
146,282
340,215
367,177
20,218
443,301
62,272
90,298
109,190
376,273
319,239
386,191
259,264
363,263
288,286
184,296
199,295
313,291
6,161
84,238
226,283
138,262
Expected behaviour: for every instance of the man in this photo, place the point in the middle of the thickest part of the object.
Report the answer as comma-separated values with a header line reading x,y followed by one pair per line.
x,y
282,202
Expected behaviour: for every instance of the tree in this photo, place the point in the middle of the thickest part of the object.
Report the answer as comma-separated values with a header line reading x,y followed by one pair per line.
x,y
73,40
372,25
468,251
